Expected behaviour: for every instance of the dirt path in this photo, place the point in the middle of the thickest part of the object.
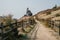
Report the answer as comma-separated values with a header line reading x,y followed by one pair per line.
x,y
40,32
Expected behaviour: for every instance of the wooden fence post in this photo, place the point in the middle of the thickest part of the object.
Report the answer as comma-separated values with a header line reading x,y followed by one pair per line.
x,y
1,31
16,22
22,25
59,29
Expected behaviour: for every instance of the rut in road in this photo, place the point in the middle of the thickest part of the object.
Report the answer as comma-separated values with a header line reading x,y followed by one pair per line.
x,y
40,32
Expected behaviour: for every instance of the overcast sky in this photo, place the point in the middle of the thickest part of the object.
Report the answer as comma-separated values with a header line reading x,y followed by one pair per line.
x,y
18,7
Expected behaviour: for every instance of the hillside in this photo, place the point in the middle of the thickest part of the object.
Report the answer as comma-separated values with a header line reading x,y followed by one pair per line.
x,y
49,13
50,18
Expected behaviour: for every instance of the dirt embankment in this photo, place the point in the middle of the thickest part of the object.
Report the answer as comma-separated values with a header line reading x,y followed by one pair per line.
x,y
40,32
